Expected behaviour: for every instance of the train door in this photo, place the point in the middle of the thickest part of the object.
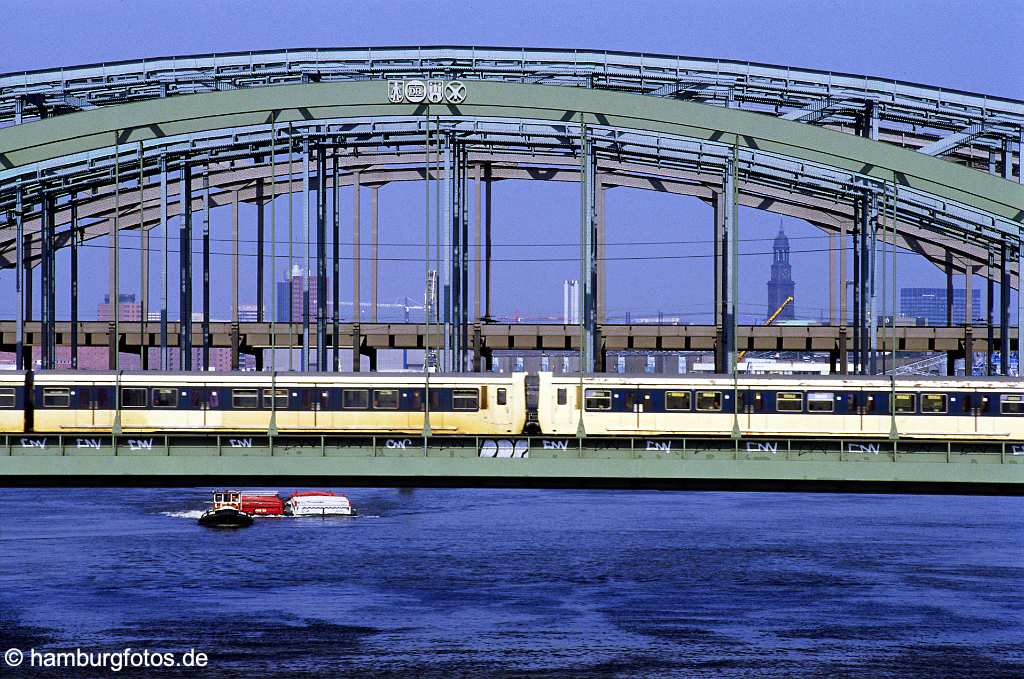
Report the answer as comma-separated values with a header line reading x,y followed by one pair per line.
x,y
647,403
85,407
564,410
495,403
194,400
306,407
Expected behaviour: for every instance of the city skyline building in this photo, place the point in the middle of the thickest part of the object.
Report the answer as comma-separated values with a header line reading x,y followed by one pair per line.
x,y
930,304
781,285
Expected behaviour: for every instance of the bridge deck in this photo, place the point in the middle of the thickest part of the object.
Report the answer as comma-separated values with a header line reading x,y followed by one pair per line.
x,y
747,464
519,336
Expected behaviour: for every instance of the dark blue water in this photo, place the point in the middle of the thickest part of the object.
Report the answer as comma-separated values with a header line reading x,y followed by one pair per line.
x,y
524,583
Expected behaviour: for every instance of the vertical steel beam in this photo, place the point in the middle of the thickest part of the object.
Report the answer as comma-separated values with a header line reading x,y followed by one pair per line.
x,y
46,280
291,247
374,250
464,237
273,266
989,312
588,253
950,316
488,182
477,334
872,311
260,250
477,250
234,280
356,269
185,257
602,273
832,278
731,292
74,281
858,282
1004,308
969,319
844,362
144,305
721,272
206,268
336,259
1020,298
1007,154
143,265
114,361
304,360
321,258
950,294
164,362
445,242
19,279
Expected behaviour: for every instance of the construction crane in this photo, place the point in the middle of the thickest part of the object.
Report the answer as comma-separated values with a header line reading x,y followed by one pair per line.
x,y
771,319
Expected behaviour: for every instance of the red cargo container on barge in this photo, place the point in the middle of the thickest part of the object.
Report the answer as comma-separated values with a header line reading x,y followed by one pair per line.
x,y
262,503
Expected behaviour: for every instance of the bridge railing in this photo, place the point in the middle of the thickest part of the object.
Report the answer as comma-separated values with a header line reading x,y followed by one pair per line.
x,y
680,448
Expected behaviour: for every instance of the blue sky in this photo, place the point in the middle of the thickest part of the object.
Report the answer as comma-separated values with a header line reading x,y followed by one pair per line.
x,y
963,45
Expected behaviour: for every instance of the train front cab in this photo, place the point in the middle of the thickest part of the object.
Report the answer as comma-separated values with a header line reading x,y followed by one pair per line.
x,y
12,402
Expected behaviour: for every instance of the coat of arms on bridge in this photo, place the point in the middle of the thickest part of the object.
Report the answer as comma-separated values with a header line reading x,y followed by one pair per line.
x,y
430,91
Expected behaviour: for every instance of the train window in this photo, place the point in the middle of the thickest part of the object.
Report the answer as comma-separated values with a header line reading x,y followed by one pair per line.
x,y
164,398
7,398
562,396
280,399
821,401
435,399
933,403
56,397
353,399
598,399
502,396
415,400
245,398
213,400
385,399
906,403
789,402
133,397
465,399
709,401
1011,404
677,400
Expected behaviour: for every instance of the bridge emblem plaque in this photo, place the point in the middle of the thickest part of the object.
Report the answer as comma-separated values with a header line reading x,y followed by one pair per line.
x,y
430,91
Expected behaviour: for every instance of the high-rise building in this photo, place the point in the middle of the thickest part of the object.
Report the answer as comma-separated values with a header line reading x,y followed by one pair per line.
x,y
289,297
781,285
930,304
129,309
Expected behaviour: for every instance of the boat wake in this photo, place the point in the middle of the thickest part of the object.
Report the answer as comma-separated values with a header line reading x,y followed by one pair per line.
x,y
189,514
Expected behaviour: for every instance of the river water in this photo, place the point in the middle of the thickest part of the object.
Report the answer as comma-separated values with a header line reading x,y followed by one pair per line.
x,y
443,583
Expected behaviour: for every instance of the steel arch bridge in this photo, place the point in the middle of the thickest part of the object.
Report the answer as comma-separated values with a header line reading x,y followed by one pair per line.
x,y
90,151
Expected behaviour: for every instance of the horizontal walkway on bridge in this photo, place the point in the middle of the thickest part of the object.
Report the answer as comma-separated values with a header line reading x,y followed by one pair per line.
x,y
860,465
253,337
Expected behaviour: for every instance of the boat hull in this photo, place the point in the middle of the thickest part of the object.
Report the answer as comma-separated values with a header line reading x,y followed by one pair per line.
x,y
225,517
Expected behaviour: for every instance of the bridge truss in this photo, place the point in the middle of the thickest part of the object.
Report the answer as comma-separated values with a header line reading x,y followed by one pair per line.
x,y
91,151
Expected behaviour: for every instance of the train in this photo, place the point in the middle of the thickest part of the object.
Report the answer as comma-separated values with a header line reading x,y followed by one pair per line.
x,y
514,403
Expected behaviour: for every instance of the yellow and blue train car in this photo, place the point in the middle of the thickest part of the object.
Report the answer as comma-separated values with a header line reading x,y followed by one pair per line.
x,y
296,402
615,405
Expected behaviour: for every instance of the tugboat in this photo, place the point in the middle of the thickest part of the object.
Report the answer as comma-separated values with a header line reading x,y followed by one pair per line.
x,y
318,503
226,512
